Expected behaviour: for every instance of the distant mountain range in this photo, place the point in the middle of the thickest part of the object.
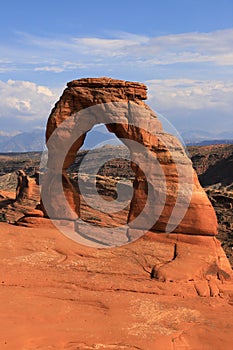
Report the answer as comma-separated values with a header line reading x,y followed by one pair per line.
x,y
210,142
23,142
204,138
34,140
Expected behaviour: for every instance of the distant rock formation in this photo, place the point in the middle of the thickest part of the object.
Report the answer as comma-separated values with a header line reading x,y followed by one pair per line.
x,y
214,164
23,189
27,190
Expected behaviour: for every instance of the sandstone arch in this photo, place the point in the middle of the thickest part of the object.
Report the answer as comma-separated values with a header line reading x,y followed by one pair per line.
x,y
200,218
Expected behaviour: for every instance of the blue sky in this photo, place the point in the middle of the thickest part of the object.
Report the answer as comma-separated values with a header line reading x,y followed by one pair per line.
x,y
183,51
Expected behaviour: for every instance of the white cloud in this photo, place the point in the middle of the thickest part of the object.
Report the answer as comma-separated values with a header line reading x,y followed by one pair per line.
x,y
193,104
5,69
62,54
187,103
12,133
191,94
208,56
50,69
110,47
24,101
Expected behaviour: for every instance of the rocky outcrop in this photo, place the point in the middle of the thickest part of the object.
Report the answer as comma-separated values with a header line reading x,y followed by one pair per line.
x,y
163,177
27,190
80,94
21,194
213,164
23,189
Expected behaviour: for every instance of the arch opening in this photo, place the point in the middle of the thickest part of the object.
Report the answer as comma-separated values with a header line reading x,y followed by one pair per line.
x,y
103,173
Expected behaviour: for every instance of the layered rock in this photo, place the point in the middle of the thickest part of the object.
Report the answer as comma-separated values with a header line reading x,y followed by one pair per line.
x,y
135,121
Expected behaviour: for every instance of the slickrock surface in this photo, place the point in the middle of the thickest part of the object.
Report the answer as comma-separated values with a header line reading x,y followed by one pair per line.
x,y
57,294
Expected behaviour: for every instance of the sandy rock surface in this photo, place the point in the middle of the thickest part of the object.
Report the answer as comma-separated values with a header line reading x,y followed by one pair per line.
x,y
57,294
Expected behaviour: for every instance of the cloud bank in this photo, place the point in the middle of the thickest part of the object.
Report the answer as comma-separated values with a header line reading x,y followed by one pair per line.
x,y
24,104
194,104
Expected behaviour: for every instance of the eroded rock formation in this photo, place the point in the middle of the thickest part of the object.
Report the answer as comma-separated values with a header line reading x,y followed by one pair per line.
x,y
80,94
196,255
23,189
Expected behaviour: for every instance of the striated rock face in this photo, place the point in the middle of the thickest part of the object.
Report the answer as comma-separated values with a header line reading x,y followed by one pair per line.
x,y
84,93
199,219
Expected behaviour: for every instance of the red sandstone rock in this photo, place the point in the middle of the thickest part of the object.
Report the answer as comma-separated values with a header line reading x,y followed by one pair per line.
x,y
23,187
200,217
192,241
27,189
